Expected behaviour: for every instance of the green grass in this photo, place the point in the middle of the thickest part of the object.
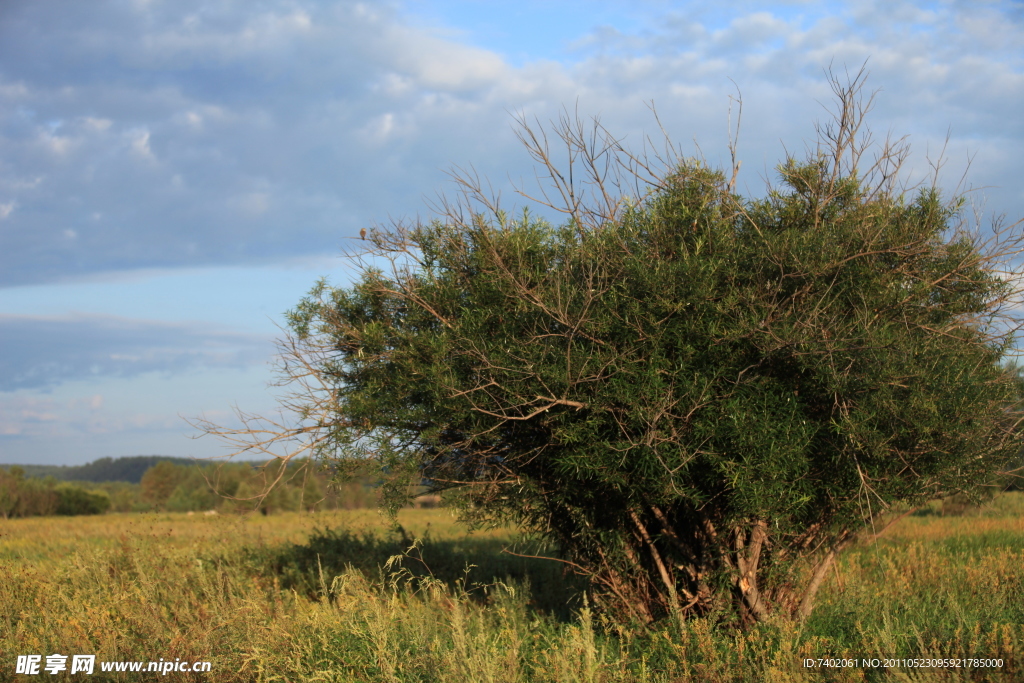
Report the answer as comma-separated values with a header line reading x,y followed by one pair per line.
x,y
312,598
474,566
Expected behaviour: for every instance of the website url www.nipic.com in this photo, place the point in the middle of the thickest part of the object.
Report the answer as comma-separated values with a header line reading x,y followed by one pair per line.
x,y
33,665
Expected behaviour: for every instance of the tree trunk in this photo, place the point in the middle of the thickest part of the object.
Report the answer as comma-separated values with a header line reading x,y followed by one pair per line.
x,y
818,575
747,560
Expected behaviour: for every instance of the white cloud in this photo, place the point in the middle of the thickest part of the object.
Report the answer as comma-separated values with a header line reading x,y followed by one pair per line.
x,y
81,416
299,21
58,145
98,125
140,144
18,184
282,127
252,204
38,355
753,31
437,64
26,415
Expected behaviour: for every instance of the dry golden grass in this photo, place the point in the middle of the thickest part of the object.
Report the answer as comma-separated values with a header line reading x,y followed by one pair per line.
x,y
141,587
47,539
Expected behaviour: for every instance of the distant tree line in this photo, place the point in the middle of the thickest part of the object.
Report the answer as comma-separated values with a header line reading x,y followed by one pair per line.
x,y
127,469
22,496
241,487
184,486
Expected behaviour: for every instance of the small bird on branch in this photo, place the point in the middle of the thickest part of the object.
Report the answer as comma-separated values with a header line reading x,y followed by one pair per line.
x,y
362,233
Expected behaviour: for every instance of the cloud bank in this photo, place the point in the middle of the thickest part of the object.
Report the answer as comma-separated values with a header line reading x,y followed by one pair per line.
x,y
190,133
41,353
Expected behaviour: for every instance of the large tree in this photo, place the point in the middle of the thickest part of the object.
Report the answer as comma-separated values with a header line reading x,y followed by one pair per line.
x,y
699,398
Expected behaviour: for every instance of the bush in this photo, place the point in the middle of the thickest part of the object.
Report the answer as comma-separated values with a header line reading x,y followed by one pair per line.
x,y
700,398
73,500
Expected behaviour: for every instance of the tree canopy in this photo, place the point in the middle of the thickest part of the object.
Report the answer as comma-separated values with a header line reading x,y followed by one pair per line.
x,y
699,398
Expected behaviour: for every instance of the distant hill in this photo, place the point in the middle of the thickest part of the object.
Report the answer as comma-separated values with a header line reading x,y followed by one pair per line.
x,y
128,469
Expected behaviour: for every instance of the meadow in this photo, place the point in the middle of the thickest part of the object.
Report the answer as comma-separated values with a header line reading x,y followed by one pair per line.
x,y
318,597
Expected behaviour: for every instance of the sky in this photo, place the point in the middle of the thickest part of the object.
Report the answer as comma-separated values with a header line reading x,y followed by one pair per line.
x,y
176,174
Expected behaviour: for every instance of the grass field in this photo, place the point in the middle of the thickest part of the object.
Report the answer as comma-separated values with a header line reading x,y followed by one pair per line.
x,y
305,598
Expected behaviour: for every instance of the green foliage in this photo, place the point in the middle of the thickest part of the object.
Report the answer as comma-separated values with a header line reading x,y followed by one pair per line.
x,y
36,497
124,496
10,481
179,485
77,501
22,496
187,498
703,374
700,398
128,469
190,487
237,487
160,481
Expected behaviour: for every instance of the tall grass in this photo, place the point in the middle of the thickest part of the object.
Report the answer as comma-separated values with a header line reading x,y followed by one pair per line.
x,y
313,598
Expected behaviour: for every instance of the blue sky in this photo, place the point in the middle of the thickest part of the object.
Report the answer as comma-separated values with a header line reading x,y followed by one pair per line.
x,y
175,175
